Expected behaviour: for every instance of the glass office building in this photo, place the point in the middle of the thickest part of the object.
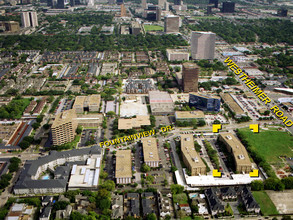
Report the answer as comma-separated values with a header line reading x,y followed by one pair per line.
x,y
204,103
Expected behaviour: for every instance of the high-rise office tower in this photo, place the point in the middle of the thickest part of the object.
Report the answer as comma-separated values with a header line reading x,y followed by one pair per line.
x,y
202,45
50,3
119,2
161,3
29,19
171,24
123,10
228,7
158,13
190,74
60,4
72,3
215,2
177,2
144,4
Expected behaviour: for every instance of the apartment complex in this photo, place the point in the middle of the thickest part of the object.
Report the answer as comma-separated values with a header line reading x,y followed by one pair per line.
x,y
123,172
29,19
64,127
190,157
190,74
171,24
87,103
203,45
29,181
240,155
150,152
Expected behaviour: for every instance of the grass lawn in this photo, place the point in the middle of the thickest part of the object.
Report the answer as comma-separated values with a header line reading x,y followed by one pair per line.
x,y
153,28
267,207
270,143
180,198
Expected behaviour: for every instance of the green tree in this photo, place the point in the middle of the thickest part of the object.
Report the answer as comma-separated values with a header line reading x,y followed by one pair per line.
x,y
108,185
257,185
176,189
151,216
145,168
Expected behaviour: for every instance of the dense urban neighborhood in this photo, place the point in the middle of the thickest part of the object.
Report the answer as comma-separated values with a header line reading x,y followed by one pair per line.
x,y
151,109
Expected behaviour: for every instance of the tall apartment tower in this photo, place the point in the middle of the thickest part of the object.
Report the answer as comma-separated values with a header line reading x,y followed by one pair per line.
x,y
123,10
171,24
144,4
228,7
190,74
29,19
203,45
63,127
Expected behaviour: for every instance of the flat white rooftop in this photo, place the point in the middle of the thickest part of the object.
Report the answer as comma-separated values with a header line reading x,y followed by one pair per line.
x,y
237,179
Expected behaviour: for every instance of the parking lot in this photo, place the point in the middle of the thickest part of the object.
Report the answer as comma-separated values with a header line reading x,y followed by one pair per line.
x,y
87,136
64,104
249,106
211,118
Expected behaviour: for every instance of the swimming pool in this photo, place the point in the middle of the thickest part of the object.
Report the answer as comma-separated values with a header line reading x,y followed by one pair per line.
x,y
46,177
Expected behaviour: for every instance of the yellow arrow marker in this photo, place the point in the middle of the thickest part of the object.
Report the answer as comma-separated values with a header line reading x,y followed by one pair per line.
x,y
216,128
254,128
254,173
216,173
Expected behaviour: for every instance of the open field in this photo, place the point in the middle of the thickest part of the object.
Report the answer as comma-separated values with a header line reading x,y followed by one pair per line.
x,y
270,143
153,28
282,201
267,207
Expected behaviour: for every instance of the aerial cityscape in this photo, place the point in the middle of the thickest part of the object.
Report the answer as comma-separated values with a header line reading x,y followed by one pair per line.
x,y
146,109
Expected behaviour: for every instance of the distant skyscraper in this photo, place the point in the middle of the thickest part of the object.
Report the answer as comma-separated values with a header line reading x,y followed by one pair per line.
x,y
177,2
215,2
283,12
171,24
209,9
190,74
111,2
203,45
29,19
119,2
158,13
166,6
228,7
60,4
123,10
72,3
144,4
